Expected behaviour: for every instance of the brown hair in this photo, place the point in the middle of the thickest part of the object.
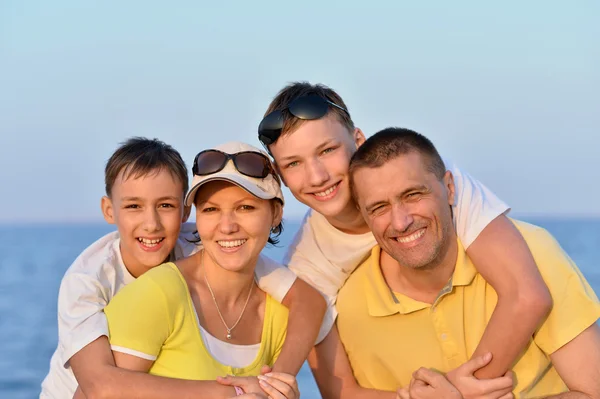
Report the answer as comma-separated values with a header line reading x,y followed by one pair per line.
x,y
300,89
391,143
139,156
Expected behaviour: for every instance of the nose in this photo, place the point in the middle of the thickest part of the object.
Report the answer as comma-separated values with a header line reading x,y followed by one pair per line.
x,y
316,173
402,218
228,223
152,220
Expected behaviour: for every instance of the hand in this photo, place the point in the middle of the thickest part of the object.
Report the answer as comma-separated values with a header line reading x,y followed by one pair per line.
x,y
402,393
279,385
251,396
250,385
472,388
428,384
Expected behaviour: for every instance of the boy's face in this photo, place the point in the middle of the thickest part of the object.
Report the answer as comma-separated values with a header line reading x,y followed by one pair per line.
x,y
148,211
313,162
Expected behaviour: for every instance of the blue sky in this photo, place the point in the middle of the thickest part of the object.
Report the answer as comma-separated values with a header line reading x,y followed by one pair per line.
x,y
508,91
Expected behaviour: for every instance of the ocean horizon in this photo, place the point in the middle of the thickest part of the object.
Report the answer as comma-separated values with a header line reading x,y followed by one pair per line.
x,y
37,255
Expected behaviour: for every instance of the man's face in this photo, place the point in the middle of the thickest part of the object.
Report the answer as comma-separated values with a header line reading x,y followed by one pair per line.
x,y
408,209
313,163
148,212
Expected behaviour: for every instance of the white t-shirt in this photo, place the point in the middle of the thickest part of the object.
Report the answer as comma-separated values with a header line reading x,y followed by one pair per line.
x,y
94,279
324,256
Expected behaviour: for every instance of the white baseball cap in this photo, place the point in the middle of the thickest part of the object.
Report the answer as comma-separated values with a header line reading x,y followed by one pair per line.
x,y
266,188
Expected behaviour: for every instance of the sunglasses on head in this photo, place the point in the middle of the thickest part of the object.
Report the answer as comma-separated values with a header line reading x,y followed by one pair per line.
x,y
248,163
308,107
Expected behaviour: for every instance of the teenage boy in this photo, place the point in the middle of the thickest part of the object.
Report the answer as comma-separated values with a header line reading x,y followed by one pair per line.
x,y
311,136
146,181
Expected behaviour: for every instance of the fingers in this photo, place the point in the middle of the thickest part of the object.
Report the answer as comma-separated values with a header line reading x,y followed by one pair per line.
x,y
402,393
226,380
287,378
429,377
276,389
496,384
508,396
266,369
474,364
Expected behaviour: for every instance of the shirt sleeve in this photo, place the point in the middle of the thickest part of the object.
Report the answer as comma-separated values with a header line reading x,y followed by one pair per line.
x,y
274,278
81,299
139,319
575,307
475,206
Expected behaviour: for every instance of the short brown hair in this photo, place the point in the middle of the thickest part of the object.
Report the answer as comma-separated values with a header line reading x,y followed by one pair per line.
x,y
139,156
391,143
295,90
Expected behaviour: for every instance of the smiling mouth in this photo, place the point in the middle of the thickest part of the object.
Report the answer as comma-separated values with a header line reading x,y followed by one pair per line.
x,y
325,193
231,243
413,237
150,243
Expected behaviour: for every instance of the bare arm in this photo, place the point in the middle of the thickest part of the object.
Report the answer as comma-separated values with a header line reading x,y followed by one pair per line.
x,y
578,364
333,373
307,307
502,257
99,377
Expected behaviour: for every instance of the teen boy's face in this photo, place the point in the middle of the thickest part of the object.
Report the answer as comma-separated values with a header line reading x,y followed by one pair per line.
x,y
148,211
313,162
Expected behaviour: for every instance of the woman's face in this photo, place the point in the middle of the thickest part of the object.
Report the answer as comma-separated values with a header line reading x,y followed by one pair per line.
x,y
233,224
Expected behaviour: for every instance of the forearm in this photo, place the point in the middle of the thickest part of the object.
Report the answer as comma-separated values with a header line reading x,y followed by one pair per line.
x,y
504,337
306,309
117,383
570,395
503,258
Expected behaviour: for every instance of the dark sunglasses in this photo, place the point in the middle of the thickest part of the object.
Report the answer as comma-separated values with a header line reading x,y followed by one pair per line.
x,y
308,107
248,163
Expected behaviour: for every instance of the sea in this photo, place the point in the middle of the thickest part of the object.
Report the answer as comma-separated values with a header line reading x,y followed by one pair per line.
x,y
35,258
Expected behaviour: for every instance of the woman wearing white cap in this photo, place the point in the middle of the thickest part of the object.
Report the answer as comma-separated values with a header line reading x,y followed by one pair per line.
x,y
204,316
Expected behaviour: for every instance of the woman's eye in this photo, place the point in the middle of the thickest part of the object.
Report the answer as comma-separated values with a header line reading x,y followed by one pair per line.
x,y
209,209
246,207
292,164
328,150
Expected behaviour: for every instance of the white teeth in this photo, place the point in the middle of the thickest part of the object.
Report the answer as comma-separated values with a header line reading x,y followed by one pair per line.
x,y
231,243
150,243
411,237
326,192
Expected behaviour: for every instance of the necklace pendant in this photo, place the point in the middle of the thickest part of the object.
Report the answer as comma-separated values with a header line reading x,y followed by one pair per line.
x,y
228,335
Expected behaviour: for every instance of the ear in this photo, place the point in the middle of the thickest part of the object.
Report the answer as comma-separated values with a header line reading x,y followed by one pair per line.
x,y
187,211
449,186
277,213
107,209
278,171
359,137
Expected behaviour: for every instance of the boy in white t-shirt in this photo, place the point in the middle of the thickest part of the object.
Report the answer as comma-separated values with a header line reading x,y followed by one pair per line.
x,y
146,181
308,131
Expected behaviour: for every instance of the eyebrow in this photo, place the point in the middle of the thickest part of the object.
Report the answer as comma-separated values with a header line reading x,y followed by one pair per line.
x,y
246,198
165,198
319,148
420,187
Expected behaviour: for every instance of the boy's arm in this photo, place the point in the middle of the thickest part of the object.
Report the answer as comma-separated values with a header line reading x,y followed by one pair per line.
x,y
306,309
503,258
99,377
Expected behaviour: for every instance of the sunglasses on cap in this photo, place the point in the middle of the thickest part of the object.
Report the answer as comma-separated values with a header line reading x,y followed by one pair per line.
x,y
308,107
248,163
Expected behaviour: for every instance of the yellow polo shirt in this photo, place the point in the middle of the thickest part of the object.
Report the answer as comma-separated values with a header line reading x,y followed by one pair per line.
x,y
388,335
154,318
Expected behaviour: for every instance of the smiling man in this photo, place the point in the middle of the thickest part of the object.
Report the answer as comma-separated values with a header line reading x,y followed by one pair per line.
x,y
418,300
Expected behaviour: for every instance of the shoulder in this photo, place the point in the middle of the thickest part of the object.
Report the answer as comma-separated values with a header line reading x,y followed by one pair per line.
x,y
540,242
353,290
98,255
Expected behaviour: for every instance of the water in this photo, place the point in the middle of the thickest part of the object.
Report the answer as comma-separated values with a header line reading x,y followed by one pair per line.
x,y
34,260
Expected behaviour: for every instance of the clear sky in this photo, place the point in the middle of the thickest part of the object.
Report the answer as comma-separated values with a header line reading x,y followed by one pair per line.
x,y
509,91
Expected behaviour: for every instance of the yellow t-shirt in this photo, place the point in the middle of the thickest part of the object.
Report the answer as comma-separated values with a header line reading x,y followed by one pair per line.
x,y
154,318
388,335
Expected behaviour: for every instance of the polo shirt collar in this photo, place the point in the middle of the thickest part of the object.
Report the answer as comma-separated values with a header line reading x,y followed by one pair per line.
x,y
381,301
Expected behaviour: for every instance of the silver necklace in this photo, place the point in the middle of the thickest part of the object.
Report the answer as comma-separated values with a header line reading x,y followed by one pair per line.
x,y
229,329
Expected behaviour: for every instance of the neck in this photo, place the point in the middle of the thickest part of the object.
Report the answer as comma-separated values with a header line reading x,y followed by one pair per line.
x,y
349,221
229,287
425,283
